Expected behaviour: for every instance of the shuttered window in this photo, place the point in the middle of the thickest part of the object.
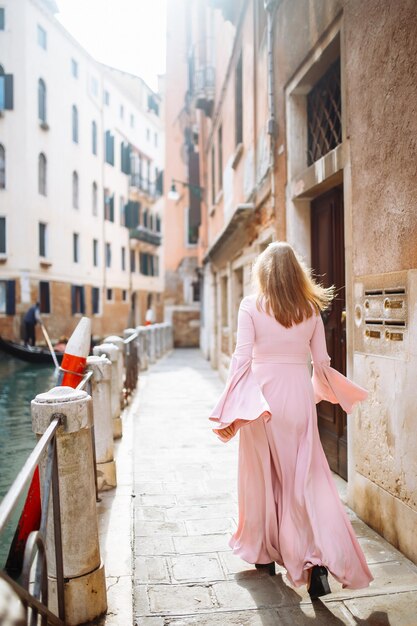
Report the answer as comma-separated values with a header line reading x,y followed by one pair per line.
x,y
123,258
42,174
42,239
95,300
2,235
94,137
74,124
239,101
44,297
76,247
8,297
132,214
2,167
2,18
77,299
42,101
125,153
108,255
109,147
95,252
6,91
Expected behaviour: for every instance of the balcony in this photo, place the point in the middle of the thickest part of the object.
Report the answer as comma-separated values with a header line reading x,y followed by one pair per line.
x,y
141,233
204,83
152,189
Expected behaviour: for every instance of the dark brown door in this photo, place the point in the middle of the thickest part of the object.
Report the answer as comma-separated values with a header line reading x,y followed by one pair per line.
x,y
328,261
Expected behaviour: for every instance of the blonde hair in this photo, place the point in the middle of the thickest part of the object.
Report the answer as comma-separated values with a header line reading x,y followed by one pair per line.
x,y
286,287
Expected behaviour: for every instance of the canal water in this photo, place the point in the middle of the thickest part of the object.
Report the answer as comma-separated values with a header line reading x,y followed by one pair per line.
x,y
19,384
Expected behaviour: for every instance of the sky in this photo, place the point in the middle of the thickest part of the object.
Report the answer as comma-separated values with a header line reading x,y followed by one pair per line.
x,y
126,34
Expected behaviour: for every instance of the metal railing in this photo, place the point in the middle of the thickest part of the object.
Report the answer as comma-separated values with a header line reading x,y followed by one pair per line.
x,y
34,594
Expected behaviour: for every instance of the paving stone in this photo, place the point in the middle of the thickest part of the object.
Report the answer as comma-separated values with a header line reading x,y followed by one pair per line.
x,y
196,568
157,500
207,498
210,526
168,599
235,618
151,513
170,529
332,614
146,488
156,546
151,569
198,544
377,551
202,511
255,591
393,610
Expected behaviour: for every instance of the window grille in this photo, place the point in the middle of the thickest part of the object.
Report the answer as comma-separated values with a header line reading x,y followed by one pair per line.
x,y
324,114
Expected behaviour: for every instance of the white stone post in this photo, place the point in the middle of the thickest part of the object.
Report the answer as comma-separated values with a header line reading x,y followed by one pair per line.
x,y
152,341
121,363
103,421
112,353
131,361
143,352
85,583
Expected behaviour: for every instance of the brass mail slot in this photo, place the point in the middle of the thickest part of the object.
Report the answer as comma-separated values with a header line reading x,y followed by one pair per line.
x,y
373,333
393,304
394,336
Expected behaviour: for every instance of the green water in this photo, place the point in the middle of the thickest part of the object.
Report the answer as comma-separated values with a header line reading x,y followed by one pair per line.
x,y
19,384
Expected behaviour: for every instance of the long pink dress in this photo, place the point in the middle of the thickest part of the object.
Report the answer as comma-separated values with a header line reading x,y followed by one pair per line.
x,y
289,508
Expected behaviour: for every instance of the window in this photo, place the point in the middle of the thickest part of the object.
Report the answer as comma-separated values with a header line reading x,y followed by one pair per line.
x,y
239,102
108,206
148,134
8,297
123,259
42,240
122,211
6,91
153,104
106,98
95,199
195,286
95,252
324,114
124,295
149,264
94,137
220,156
213,175
132,120
74,68
75,190
145,219
125,158
94,86
148,175
2,18
158,224
2,235
42,174
109,294
95,300
155,138
192,231
151,222
122,111
2,167
109,147
132,261
77,299
42,41
76,247
74,124
42,101
44,297
108,255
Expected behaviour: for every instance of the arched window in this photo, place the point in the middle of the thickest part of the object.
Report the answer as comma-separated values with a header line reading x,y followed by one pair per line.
x,y
94,137
2,167
42,100
75,190
74,124
95,199
42,174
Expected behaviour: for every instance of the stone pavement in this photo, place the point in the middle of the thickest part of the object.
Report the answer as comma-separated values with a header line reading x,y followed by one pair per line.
x,y
185,509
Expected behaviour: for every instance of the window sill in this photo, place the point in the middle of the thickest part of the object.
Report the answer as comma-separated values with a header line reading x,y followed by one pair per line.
x,y
237,155
43,125
3,257
43,262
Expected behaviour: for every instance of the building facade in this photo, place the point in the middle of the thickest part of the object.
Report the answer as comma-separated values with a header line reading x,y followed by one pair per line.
x,y
81,208
306,127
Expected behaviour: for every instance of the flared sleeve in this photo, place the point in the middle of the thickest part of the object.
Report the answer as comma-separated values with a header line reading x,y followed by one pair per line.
x,y
328,383
242,400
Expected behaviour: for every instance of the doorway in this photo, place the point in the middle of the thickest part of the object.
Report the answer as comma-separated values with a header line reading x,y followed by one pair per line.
x,y
328,263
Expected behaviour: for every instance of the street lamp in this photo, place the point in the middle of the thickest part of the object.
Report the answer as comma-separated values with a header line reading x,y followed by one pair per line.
x,y
173,192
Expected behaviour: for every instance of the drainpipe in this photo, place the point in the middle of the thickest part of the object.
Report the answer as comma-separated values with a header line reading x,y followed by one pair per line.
x,y
270,8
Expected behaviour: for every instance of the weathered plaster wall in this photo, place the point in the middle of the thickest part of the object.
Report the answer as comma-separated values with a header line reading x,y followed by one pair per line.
x,y
381,52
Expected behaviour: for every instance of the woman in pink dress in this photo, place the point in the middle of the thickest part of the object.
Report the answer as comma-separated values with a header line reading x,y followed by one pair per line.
x,y
289,509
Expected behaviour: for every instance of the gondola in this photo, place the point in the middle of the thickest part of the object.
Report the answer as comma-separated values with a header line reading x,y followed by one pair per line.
x,y
27,353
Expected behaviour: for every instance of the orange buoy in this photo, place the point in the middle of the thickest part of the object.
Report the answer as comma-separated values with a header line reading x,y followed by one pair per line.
x,y
75,355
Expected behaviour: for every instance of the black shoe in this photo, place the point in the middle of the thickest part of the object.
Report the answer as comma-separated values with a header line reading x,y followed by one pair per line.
x,y
319,585
266,567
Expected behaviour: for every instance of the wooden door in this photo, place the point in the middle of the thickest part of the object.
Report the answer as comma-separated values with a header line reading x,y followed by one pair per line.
x,y
328,262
